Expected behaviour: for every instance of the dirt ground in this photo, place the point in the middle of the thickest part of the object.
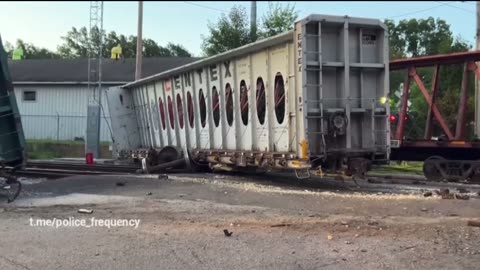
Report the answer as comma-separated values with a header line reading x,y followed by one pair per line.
x,y
275,224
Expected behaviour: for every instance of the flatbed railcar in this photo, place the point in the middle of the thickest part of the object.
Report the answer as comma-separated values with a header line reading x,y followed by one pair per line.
x,y
310,98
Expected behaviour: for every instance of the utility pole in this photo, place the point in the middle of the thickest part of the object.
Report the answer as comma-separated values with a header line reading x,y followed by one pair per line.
x,y
100,91
253,21
92,141
138,66
477,96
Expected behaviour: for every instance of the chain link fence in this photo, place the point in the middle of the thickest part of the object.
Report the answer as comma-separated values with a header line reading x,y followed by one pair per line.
x,y
61,127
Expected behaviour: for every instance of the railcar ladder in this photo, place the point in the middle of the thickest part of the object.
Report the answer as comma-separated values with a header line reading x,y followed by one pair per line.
x,y
374,116
314,112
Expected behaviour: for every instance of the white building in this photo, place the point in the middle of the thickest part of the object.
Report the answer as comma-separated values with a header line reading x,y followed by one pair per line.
x,y
52,94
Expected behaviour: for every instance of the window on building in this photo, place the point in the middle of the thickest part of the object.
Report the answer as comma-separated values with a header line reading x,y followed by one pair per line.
x,y
29,95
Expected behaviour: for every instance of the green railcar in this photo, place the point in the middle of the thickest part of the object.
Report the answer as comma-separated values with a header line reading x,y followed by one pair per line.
x,y
12,139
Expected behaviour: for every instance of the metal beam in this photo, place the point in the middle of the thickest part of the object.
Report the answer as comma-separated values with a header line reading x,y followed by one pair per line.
x,y
462,109
403,110
429,124
413,73
439,59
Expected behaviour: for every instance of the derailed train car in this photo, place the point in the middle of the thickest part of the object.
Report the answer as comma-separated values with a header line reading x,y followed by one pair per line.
x,y
310,98
12,140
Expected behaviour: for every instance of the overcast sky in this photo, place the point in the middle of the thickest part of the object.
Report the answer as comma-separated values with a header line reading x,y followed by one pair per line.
x,y
43,23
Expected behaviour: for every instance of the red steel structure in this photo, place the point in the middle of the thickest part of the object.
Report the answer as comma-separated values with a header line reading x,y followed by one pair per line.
x,y
453,158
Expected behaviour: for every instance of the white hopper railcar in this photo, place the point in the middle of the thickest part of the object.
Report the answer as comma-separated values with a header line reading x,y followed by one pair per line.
x,y
313,97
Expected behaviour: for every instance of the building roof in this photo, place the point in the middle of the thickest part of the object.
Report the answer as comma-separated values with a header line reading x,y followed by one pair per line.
x,y
75,71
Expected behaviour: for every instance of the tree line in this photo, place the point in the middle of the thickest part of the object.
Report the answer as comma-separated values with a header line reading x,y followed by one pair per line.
x,y
231,31
76,43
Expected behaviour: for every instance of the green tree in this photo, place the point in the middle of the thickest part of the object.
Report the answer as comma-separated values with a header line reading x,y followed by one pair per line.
x,y
31,51
233,30
76,45
177,50
278,20
228,33
9,49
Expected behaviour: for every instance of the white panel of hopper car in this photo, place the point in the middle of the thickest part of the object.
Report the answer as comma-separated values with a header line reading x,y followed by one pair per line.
x,y
146,114
244,103
162,113
261,93
169,105
228,104
138,113
154,116
277,99
188,97
142,116
202,107
215,110
179,111
123,120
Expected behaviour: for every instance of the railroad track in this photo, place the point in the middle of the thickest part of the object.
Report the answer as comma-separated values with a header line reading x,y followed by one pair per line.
x,y
57,170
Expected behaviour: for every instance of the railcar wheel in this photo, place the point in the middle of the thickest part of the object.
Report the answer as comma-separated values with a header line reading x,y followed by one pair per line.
x,y
167,154
430,170
475,176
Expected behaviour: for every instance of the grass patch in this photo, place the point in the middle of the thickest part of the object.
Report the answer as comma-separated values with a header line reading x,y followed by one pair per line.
x,y
43,155
51,149
411,168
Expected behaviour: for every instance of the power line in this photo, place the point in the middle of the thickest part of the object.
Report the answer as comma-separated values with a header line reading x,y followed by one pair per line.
x,y
198,5
415,12
463,9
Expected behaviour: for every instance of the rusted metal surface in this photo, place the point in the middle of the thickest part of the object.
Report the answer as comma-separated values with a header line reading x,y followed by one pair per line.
x,y
449,156
462,109
436,61
413,73
429,124
444,144
439,59
403,110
